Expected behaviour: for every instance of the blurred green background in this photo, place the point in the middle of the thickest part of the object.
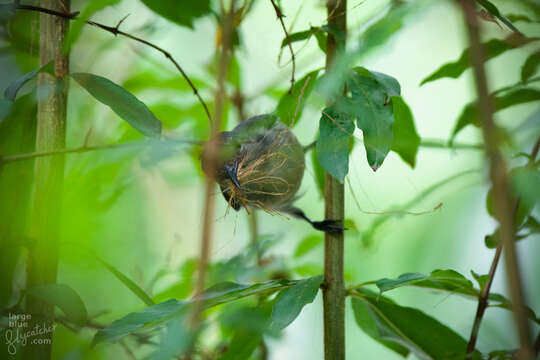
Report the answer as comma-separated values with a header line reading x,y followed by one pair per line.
x,y
141,209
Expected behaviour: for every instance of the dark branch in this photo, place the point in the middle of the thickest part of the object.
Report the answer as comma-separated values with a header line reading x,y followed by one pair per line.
x,y
280,16
115,31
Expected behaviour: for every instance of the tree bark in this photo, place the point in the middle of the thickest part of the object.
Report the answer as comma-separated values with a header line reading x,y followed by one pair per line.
x,y
334,285
48,174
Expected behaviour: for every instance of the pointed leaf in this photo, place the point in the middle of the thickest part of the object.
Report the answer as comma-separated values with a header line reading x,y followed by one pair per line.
x,y
406,140
122,102
530,66
11,92
65,298
335,129
291,301
469,114
183,13
492,48
405,328
291,105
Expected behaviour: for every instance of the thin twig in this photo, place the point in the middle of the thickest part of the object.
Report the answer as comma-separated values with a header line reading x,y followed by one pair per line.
x,y
210,156
499,180
280,16
85,148
115,31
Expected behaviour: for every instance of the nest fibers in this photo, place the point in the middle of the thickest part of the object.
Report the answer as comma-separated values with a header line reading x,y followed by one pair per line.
x,y
269,164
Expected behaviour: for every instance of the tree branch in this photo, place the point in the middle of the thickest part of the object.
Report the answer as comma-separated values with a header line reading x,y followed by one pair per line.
x,y
499,179
115,31
280,16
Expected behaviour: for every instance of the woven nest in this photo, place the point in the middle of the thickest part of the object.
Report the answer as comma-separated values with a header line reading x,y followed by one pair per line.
x,y
263,177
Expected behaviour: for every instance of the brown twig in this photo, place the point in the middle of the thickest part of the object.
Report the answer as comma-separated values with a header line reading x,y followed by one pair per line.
x,y
83,149
210,156
115,31
280,16
499,179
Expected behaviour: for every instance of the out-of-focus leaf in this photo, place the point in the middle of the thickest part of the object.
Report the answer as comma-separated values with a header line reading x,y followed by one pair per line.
x,y
298,36
530,66
519,17
181,289
292,104
183,13
404,329
11,92
526,184
176,340
307,244
290,302
130,284
492,9
5,108
492,49
335,130
64,297
531,225
91,8
444,280
142,80
150,317
122,102
318,172
158,314
371,97
469,115
406,140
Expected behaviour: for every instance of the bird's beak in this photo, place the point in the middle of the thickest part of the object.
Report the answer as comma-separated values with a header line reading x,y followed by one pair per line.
x,y
232,171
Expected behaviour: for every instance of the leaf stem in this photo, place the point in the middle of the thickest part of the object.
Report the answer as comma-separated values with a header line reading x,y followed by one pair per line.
x,y
499,179
115,31
280,16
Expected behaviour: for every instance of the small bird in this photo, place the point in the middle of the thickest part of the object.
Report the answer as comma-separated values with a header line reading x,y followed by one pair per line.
x,y
260,164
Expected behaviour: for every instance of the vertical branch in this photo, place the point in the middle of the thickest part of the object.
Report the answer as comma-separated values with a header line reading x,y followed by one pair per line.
x,y
227,25
334,287
48,172
499,180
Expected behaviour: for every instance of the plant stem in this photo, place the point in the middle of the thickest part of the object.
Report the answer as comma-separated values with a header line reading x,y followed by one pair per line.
x,y
483,300
44,223
334,284
227,24
115,31
499,180
280,16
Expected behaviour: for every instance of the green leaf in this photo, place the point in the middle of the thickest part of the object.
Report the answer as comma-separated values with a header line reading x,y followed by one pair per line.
x,y
307,244
11,92
406,140
332,148
150,317
519,17
492,49
122,102
480,279
531,225
469,115
291,105
158,314
5,108
290,302
405,329
492,9
65,298
135,289
370,104
176,340
298,36
183,13
404,279
530,66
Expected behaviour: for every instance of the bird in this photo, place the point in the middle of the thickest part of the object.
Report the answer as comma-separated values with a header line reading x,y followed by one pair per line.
x,y
260,165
